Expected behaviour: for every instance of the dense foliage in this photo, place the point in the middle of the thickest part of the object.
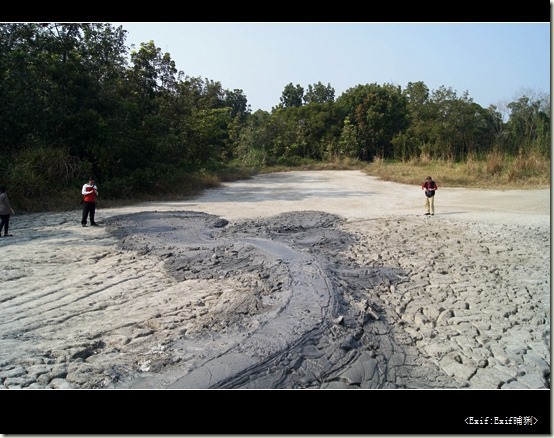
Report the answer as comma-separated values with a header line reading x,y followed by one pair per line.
x,y
75,100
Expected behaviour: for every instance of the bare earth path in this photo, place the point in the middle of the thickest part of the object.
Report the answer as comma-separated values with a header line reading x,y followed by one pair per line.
x,y
296,280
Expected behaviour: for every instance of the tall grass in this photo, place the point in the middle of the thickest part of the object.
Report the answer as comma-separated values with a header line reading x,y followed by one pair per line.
x,y
494,171
39,178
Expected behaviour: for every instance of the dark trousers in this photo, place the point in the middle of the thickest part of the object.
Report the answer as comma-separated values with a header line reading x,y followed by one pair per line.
x,y
88,209
4,223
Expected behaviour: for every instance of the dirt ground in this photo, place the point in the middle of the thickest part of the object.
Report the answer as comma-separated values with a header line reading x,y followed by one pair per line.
x,y
331,280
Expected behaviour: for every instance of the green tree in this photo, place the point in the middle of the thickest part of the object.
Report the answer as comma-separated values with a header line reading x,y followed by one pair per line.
x,y
209,136
379,113
529,125
460,126
152,72
319,93
292,96
253,148
417,134
56,82
348,142
238,103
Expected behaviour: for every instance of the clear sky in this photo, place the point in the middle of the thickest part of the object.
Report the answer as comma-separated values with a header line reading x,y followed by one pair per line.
x,y
493,62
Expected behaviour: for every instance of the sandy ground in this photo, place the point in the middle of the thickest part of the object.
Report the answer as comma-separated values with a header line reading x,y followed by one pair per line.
x,y
293,280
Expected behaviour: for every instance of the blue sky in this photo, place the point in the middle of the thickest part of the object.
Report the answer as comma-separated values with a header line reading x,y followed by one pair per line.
x,y
494,62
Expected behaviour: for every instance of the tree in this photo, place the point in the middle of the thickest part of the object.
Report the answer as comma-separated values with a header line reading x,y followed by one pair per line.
x,y
416,136
55,78
460,127
238,103
379,113
319,93
348,141
292,96
152,71
529,124
256,139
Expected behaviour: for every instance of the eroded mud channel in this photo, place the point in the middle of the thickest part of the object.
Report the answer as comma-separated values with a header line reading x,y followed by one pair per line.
x,y
295,311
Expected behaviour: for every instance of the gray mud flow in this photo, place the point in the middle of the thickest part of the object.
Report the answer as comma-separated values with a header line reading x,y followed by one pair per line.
x,y
302,314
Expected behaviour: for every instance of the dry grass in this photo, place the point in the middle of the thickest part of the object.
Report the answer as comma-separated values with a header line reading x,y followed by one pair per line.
x,y
494,172
306,164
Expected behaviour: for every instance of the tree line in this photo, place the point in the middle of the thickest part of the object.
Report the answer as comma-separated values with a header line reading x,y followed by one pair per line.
x,y
75,100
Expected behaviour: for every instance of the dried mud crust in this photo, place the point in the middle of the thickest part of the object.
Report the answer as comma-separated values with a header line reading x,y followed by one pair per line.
x,y
184,299
306,300
300,316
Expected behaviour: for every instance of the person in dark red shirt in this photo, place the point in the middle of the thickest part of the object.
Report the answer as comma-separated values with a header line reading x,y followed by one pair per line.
x,y
89,192
430,187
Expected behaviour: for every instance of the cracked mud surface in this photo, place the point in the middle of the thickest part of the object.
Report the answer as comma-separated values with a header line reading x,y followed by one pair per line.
x,y
198,295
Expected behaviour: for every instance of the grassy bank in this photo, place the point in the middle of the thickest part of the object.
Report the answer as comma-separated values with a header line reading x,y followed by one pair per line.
x,y
494,172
